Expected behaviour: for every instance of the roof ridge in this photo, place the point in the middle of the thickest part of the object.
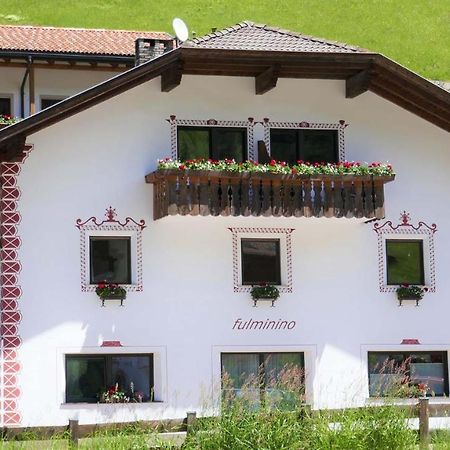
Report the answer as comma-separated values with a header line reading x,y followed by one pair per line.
x,y
48,27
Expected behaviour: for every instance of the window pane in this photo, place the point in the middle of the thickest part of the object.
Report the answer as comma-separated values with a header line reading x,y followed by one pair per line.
x,y
85,378
260,261
404,262
228,143
387,372
132,373
110,260
193,143
5,106
283,145
318,146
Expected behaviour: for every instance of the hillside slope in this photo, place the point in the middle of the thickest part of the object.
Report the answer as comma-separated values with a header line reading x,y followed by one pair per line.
x,y
416,33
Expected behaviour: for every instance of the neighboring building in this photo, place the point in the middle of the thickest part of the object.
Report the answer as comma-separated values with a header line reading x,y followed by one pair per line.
x,y
40,66
187,246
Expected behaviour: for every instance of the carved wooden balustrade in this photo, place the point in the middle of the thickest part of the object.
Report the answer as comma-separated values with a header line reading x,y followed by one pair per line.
x,y
214,193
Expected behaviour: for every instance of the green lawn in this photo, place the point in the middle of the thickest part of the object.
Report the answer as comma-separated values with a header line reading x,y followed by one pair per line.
x,y
415,33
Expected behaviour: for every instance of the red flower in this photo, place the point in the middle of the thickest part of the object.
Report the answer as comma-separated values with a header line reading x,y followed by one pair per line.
x,y
182,167
293,170
282,163
273,163
101,285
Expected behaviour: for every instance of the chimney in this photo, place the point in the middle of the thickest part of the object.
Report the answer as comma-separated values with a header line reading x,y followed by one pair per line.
x,y
147,49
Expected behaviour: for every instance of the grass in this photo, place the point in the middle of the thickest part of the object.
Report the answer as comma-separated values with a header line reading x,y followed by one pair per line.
x,y
416,33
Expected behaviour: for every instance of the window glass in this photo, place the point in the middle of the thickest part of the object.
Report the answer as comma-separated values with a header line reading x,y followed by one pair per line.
x,y
283,145
89,376
5,106
260,261
228,143
85,378
212,142
193,143
306,145
132,373
318,146
390,372
404,262
254,376
110,260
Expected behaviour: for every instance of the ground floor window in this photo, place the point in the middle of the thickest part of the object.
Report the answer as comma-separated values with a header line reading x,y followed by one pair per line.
x,y
274,377
393,373
89,377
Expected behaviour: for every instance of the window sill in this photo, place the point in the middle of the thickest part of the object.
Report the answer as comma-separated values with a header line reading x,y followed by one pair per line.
x,y
84,405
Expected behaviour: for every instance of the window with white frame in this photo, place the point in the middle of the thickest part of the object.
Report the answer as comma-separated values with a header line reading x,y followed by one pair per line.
x,y
405,254
262,256
111,251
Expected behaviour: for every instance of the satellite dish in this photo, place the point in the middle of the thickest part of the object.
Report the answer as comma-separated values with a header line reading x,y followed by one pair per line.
x,y
181,30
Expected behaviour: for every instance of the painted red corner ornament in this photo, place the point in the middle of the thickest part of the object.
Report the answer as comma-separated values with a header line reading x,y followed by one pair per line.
x,y
111,218
405,224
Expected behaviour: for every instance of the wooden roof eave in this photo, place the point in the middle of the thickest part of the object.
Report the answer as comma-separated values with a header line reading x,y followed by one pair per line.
x,y
89,98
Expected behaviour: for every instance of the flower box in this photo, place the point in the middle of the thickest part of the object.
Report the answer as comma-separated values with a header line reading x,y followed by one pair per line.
x,y
406,292
264,293
110,291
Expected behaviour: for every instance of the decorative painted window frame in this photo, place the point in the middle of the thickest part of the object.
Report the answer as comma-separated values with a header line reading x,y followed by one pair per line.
x,y
339,127
111,227
284,234
175,123
404,230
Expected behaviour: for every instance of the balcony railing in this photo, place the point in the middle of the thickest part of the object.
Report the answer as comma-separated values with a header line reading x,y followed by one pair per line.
x,y
221,193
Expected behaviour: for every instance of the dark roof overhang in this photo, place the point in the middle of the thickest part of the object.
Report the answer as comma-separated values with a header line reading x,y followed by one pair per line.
x,y
362,71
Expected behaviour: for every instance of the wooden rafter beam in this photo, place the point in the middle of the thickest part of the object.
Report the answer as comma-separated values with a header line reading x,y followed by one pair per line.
x,y
171,77
266,80
357,84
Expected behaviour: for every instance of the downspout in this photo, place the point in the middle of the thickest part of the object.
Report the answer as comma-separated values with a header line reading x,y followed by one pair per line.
x,y
22,89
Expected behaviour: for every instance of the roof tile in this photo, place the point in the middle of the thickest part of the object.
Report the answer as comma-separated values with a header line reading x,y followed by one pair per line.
x,y
250,36
73,40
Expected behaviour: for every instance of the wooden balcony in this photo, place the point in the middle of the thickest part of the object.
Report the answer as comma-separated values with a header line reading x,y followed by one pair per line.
x,y
220,193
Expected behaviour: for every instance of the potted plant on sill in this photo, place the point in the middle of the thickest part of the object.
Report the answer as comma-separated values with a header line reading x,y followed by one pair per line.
x,y
266,292
410,292
110,291
6,120
114,395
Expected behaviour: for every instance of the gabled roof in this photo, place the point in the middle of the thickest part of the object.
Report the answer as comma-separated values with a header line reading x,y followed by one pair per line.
x,y
362,71
250,36
73,40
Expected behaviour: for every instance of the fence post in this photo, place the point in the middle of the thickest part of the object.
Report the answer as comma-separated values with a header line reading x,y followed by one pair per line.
x,y
191,418
74,431
424,422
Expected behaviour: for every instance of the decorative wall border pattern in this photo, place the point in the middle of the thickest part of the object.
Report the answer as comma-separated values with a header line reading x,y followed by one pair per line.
x,y
110,224
261,230
10,290
340,127
174,123
404,228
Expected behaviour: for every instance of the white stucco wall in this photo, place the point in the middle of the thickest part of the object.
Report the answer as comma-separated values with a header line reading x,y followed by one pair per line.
x,y
49,83
187,310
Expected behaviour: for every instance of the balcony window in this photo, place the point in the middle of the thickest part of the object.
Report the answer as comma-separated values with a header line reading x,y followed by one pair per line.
x,y
389,372
306,145
88,376
110,259
212,142
263,376
404,262
260,259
